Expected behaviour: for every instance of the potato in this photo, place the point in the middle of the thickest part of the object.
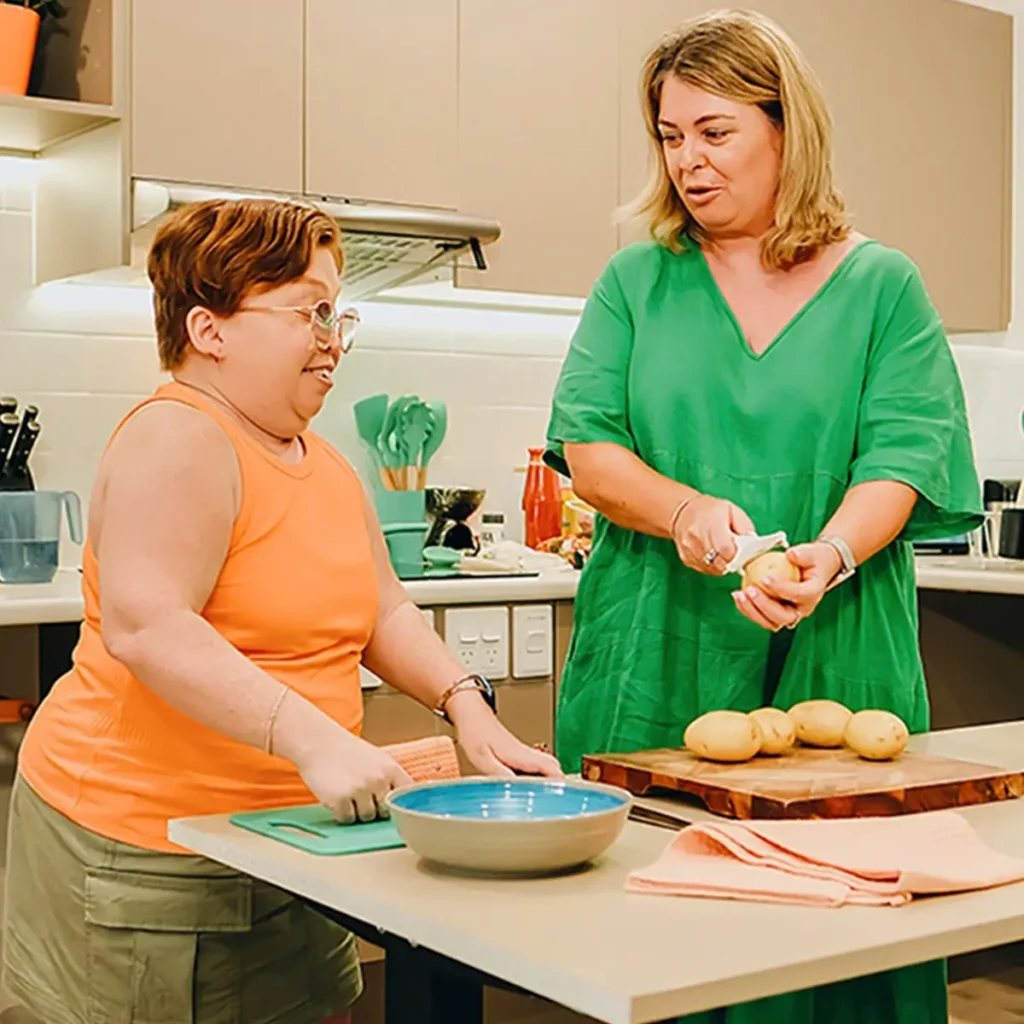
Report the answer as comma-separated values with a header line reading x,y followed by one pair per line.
x,y
777,728
876,735
820,723
771,563
724,736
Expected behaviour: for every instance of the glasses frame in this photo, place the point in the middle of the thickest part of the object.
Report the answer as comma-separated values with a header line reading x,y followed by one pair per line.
x,y
341,325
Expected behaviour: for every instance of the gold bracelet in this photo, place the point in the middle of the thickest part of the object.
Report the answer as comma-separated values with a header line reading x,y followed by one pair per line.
x,y
678,512
268,741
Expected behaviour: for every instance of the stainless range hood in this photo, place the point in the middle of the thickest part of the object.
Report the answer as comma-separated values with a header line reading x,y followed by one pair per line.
x,y
385,246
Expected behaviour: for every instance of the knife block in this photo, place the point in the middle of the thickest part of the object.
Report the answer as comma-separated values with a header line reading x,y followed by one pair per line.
x,y
17,481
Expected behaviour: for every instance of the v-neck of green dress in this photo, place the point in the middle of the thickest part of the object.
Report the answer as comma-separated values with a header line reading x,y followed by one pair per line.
x,y
819,293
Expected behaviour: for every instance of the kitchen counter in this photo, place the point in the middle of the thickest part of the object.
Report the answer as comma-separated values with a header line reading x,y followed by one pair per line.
x,y
29,604
582,941
61,600
974,575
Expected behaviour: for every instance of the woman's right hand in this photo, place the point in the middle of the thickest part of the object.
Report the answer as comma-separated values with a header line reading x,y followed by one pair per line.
x,y
708,526
352,778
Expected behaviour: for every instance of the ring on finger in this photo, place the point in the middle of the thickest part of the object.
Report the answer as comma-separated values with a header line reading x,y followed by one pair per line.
x,y
710,557
795,622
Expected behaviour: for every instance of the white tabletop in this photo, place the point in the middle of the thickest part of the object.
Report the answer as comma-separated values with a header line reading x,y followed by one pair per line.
x,y
582,941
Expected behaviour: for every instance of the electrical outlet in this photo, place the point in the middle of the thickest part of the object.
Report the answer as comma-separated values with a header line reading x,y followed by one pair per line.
x,y
479,639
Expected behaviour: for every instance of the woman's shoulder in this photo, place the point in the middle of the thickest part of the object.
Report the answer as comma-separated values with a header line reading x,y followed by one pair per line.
x,y
641,259
883,262
331,455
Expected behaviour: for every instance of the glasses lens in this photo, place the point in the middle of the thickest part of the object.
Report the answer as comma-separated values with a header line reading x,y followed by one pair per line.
x,y
349,321
322,320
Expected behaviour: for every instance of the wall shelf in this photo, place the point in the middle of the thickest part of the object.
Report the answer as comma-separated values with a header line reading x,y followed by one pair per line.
x,y
31,124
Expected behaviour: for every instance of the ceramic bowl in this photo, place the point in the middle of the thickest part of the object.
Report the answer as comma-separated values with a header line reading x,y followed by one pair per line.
x,y
521,826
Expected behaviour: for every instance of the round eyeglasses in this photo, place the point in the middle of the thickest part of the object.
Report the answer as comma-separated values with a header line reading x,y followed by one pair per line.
x,y
325,323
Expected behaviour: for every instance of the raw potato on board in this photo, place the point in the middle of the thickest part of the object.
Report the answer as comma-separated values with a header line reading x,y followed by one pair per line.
x,y
771,563
777,728
876,735
723,736
820,723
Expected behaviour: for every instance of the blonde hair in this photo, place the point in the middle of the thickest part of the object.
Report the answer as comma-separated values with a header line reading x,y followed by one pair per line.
x,y
743,56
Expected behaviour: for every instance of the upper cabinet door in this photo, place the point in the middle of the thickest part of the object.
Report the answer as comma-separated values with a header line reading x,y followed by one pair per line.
x,y
921,94
217,89
382,100
538,139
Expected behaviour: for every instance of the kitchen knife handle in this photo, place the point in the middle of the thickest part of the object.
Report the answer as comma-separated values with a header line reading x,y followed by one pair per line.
x,y
17,462
8,428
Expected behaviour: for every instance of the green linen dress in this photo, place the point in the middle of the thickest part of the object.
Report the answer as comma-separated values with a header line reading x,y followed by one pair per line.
x,y
860,385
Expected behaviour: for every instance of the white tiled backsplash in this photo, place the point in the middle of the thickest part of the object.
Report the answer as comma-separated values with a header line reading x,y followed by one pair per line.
x,y
85,355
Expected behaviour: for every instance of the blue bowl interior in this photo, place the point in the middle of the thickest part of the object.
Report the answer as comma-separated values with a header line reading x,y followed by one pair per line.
x,y
508,800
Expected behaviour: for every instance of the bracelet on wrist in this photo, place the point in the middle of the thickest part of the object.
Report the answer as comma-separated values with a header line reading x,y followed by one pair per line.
x,y
466,683
847,562
268,738
678,511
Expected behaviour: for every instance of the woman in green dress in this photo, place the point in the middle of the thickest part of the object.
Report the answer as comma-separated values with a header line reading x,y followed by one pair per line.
x,y
758,366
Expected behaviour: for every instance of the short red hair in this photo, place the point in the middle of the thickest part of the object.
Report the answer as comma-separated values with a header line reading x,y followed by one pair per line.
x,y
215,253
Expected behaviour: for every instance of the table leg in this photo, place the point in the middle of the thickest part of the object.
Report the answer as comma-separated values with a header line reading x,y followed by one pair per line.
x,y
417,993
421,986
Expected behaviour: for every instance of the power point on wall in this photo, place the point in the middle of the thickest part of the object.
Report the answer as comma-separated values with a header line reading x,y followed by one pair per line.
x,y
479,639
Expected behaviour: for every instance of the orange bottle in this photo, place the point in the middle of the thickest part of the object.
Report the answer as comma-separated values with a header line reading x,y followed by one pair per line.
x,y
542,501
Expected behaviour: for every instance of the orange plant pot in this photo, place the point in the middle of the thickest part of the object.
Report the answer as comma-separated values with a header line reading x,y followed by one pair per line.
x,y
19,29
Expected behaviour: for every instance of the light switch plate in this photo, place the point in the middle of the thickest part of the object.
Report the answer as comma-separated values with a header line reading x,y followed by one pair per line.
x,y
479,639
533,641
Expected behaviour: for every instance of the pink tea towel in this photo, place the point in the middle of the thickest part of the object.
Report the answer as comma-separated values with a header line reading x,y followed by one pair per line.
x,y
872,861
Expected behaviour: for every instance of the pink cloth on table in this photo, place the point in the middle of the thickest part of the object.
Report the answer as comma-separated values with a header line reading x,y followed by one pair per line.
x,y
868,861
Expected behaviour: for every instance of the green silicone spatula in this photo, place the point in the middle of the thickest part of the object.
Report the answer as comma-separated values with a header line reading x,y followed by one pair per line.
x,y
437,428
369,415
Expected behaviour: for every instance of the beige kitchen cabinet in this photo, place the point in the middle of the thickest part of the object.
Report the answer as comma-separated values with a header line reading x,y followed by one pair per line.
x,y
390,716
382,100
217,92
921,92
538,141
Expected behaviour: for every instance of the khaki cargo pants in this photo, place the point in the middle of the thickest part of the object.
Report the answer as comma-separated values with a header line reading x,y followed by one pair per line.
x,y
97,932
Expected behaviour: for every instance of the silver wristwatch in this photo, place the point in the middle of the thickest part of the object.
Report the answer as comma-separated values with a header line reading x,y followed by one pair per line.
x,y
849,563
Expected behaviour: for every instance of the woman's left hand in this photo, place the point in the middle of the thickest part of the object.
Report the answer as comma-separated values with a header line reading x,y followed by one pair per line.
x,y
778,604
490,746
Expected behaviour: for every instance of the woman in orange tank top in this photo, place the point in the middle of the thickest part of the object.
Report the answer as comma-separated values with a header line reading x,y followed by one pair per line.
x,y
235,578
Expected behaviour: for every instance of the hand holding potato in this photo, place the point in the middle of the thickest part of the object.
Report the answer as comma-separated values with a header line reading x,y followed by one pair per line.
x,y
775,599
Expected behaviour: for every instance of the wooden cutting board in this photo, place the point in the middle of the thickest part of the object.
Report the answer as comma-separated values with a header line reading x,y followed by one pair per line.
x,y
809,783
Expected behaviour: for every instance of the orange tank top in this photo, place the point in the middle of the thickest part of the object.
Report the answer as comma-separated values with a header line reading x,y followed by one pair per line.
x,y
297,595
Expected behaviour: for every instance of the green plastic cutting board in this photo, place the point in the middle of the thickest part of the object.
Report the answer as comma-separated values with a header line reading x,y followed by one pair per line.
x,y
313,829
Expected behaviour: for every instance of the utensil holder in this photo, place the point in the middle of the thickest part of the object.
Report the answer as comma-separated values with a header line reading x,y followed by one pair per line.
x,y
1011,533
400,507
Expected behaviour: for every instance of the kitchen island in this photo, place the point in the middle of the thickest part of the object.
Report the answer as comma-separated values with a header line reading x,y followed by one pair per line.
x,y
583,942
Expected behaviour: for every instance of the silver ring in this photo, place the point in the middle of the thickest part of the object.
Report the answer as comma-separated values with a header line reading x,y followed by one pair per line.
x,y
710,556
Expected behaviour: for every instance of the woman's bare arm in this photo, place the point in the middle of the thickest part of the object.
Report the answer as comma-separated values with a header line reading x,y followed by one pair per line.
x,y
623,488
167,500
404,649
872,515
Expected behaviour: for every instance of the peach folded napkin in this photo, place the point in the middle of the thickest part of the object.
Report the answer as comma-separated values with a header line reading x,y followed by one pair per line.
x,y
425,760
867,861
